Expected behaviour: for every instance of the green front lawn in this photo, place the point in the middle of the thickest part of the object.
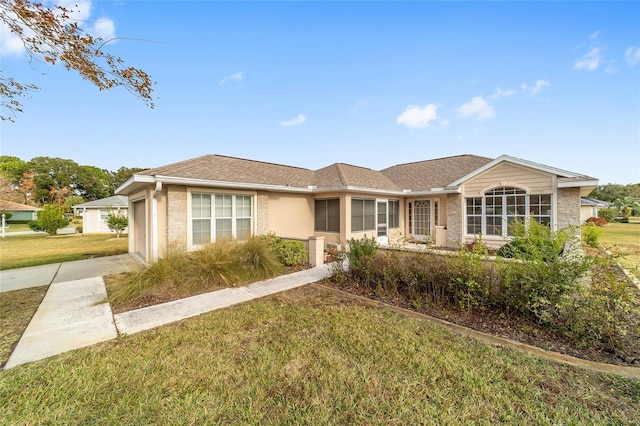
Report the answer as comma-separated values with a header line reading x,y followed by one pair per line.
x,y
308,356
18,251
623,239
17,307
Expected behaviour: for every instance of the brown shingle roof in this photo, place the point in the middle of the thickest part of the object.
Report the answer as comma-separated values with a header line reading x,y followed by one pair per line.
x,y
438,173
10,205
417,176
340,174
231,169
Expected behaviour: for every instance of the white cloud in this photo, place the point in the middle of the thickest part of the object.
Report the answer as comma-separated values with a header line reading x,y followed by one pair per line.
x,y
361,104
500,93
301,118
104,28
236,76
590,61
632,56
477,108
536,88
595,35
416,116
10,44
78,10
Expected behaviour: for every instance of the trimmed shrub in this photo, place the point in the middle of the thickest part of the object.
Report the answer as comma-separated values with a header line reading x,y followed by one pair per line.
x,y
50,219
534,241
290,253
608,214
591,234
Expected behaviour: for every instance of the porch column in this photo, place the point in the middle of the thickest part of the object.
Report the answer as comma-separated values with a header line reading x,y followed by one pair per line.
x,y
316,251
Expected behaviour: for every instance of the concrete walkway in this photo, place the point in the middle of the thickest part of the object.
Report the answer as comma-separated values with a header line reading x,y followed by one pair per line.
x,y
71,315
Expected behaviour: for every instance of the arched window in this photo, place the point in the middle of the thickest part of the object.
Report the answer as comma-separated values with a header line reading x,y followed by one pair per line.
x,y
491,214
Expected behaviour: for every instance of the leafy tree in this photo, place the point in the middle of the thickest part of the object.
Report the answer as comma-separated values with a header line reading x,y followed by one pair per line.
x,y
12,168
73,200
613,191
50,36
8,191
93,183
27,187
50,219
121,176
51,175
117,221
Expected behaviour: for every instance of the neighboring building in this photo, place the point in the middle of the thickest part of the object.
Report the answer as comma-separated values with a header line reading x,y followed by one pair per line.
x,y
449,201
589,207
94,213
19,212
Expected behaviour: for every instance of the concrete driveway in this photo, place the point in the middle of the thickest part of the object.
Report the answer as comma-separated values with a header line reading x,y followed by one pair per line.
x,y
36,276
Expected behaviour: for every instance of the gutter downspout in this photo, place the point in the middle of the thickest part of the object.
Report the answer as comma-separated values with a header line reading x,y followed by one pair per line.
x,y
154,221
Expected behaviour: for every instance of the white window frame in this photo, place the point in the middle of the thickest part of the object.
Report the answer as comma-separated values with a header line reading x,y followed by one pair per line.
x,y
212,193
505,217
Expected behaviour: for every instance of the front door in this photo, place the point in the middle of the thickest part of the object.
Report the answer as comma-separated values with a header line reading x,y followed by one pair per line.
x,y
382,223
421,220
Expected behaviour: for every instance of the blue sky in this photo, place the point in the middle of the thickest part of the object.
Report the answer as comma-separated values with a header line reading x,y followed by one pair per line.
x,y
367,83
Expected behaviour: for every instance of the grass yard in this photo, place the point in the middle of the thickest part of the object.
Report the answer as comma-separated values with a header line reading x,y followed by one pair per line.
x,y
17,309
30,250
308,357
18,227
624,239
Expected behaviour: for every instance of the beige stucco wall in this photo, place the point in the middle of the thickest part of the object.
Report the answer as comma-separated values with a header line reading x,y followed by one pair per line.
x,y
288,215
508,174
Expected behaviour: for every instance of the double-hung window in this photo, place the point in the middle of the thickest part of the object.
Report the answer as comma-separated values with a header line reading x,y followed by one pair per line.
x,y
363,215
219,216
492,214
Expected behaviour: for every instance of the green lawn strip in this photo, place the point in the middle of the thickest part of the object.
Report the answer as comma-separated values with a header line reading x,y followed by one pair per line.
x,y
17,227
31,250
17,308
623,239
308,357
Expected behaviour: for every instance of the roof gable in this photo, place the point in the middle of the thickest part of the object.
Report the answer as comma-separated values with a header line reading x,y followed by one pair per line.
x,y
346,175
563,174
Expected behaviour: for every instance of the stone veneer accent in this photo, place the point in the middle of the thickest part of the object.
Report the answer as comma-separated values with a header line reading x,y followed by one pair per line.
x,y
454,219
568,207
262,213
177,215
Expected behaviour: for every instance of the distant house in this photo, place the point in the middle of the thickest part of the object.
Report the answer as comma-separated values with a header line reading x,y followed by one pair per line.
x,y
19,212
447,201
589,207
94,213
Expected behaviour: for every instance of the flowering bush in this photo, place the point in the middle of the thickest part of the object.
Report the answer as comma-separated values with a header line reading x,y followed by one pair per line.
x,y
599,221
